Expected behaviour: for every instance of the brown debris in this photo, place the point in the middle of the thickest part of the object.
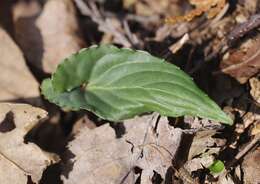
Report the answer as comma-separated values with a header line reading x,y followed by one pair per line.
x,y
212,35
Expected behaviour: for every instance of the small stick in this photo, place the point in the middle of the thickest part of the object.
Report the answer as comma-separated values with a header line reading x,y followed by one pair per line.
x,y
248,147
242,29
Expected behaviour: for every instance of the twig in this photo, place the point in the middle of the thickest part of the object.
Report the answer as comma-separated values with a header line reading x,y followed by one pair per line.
x,y
179,44
246,149
243,28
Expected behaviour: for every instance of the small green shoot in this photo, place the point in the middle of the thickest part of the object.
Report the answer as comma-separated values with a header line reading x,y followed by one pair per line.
x,y
217,167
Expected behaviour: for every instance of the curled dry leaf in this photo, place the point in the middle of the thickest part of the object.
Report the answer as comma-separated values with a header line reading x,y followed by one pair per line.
x,y
102,158
18,159
15,77
53,32
244,62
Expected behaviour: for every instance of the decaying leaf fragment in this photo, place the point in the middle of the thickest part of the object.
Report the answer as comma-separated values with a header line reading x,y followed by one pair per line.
x,y
202,141
244,62
204,145
101,158
18,159
211,7
202,149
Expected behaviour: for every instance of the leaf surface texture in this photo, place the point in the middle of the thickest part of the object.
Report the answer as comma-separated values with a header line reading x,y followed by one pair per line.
x,y
117,84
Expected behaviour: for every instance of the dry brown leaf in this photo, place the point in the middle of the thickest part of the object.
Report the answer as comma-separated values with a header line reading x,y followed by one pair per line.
x,y
251,167
158,147
53,33
101,158
18,159
16,80
203,145
244,62
203,141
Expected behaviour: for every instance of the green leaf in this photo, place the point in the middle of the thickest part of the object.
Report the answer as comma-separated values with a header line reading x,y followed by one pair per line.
x,y
217,167
117,84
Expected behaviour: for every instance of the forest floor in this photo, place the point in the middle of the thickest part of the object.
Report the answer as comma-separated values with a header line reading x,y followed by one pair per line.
x,y
216,42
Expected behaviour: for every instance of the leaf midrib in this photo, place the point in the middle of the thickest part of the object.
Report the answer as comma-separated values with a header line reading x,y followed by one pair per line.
x,y
187,79
96,88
